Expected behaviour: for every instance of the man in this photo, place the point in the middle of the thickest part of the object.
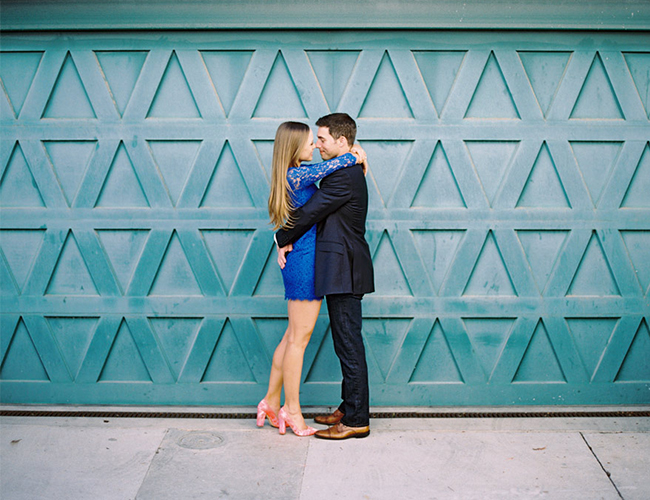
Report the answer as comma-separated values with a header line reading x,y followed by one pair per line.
x,y
343,271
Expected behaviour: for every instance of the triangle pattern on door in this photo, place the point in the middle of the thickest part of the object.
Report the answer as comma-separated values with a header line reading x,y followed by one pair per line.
x,y
123,247
591,336
227,187
389,276
389,159
69,98
492,97
18,189
439,70
175,275
333,69
635,366
176,336
375,375
384,337
122,187
174,97
596,161
71,275
438,188
490,275
227,248
271,331
121,70
279,98
386,98
542,249
17,72
437,249
488,337
637,244
639,66
22,361
436,363
539,363
228,362
543,189
636,195
227,69
491,160
8,285
326,366
594,276
545,71
264,151
597,99
20,247
270,283
124,362
73,336
174,160
70,160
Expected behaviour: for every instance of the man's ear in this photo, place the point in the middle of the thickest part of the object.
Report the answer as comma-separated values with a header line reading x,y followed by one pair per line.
x,y
343,142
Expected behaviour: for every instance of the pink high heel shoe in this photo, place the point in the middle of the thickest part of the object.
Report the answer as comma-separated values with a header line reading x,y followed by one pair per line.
x,y
264,410
284,419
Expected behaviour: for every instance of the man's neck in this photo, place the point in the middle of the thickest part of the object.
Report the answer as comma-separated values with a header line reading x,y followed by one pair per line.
x,y
344,151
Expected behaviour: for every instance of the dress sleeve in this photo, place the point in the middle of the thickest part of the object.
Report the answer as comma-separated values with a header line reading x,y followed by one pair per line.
x,y
304,175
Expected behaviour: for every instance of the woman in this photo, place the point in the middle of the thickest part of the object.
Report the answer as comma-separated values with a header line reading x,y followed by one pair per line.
x,y
292,185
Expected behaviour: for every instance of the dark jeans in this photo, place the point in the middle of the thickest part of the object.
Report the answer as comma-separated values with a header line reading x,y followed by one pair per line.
x,y
345,320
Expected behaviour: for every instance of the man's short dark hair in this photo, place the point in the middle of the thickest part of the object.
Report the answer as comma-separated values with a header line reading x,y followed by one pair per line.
x,y
340,124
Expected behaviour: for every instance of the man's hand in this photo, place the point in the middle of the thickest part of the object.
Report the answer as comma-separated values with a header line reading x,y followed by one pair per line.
x,y
282,254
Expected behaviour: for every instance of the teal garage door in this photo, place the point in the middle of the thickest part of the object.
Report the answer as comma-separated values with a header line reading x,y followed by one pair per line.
x,y
509,214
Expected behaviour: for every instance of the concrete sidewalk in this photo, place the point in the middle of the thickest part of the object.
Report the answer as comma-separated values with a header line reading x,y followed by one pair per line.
x,y
441,458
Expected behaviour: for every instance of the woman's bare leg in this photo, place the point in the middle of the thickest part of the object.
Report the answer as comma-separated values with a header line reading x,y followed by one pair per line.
x,y
274,391
302,319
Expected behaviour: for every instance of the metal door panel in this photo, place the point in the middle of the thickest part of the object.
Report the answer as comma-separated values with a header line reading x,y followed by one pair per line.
x,y
509,214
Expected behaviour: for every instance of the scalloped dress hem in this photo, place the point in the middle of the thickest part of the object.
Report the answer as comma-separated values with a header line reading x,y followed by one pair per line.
x,y
310,299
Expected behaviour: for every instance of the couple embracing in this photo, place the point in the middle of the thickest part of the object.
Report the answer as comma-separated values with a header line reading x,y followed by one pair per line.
x,y
323,253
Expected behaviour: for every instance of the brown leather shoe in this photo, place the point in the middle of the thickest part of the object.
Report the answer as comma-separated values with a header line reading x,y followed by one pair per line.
x,y
332,419
341,431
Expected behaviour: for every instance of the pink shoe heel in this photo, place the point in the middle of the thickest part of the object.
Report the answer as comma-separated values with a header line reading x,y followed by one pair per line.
x,y
284,419
264,410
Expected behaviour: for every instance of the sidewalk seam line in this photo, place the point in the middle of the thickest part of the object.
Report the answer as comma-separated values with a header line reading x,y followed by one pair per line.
x,y
144,478
304,471
607,473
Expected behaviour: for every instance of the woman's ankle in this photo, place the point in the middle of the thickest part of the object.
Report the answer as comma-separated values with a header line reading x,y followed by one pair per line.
x,y
274,402
293,411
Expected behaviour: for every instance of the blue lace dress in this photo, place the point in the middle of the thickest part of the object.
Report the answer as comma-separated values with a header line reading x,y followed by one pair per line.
x,y
298,273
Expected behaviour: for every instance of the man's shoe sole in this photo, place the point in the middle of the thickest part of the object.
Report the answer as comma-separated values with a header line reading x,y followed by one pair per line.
x,y
356,435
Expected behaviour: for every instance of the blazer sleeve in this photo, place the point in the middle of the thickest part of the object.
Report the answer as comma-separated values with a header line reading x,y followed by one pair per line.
x,y
330,197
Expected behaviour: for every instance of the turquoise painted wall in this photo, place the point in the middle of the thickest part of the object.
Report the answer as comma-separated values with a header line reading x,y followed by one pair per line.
x,y
509,213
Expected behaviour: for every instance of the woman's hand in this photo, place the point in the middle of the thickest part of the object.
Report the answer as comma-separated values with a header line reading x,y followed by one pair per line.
x,y
282,254
360,154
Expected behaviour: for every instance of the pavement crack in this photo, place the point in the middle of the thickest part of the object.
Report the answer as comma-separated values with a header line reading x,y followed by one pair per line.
x,y
607,473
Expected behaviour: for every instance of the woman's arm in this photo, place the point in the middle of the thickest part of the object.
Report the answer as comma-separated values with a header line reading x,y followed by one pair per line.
x,y
304,175
326,200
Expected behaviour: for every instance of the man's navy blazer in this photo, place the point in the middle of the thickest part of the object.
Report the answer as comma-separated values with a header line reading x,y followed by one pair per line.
x,y
340,208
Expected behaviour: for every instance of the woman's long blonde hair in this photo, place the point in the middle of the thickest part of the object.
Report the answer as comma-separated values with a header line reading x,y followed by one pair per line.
x,y
290,139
